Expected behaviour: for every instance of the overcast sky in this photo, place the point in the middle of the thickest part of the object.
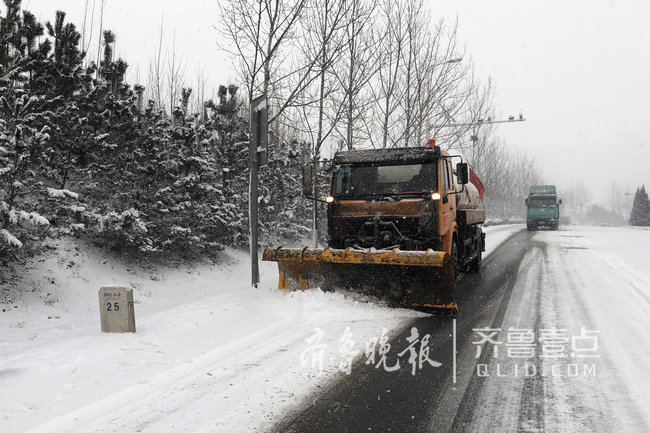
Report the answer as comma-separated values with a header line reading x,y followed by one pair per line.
x,y
578,70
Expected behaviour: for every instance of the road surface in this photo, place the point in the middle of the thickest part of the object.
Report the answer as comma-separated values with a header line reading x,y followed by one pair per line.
x,y
571,351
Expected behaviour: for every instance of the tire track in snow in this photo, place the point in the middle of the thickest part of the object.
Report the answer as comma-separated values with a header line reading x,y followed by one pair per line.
x,y
499,391
564,410
465,412
531,403
177,384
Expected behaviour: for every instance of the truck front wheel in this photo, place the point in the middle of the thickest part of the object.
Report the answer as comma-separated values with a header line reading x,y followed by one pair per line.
x,y
454,256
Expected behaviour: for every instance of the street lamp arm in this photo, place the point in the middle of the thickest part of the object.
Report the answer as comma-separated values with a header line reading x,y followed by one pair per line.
x,y
487,122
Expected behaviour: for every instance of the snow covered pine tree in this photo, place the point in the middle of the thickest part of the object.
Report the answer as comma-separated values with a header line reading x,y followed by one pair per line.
x,y
640,215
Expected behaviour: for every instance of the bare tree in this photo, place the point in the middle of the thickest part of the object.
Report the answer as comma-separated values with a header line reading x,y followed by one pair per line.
x,y
260,33
87,33
323,45
524,173
582,195
84,34
175,76
389,88
575,200
507,175
102,8
442,84
420,81
199,100
620,198
494,174
415,39
356,70
156,71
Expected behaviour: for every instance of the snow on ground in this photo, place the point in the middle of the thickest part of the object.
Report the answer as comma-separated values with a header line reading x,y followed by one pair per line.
x,y
591,279
496,235
210,353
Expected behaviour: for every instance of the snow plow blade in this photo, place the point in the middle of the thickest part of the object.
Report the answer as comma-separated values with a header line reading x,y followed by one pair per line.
x,y
409,278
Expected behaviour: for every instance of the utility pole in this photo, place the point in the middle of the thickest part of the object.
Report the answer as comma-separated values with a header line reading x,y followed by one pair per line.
x,y
258,156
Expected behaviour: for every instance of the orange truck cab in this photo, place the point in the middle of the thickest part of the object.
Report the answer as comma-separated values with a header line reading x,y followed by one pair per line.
x,y
403,198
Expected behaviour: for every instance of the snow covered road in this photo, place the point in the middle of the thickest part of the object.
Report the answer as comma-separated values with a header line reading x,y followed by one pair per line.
x,y
557,343
595,283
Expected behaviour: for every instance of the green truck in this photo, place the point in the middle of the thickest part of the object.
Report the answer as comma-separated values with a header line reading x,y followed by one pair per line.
x,y
542,207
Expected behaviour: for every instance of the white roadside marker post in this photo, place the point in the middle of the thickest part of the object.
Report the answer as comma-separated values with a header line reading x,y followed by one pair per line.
x,y
116,309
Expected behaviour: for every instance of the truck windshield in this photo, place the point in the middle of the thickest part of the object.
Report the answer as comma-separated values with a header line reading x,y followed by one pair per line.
x,y
384,180
542,202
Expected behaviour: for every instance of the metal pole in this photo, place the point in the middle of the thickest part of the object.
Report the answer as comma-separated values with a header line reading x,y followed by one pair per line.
x,y
253,190
314,235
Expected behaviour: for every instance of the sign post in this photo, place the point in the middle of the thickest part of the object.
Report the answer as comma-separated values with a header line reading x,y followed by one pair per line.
x,y
258,151
116,309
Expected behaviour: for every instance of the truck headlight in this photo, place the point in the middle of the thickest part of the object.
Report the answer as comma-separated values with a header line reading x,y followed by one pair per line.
x,y
329,199
435,196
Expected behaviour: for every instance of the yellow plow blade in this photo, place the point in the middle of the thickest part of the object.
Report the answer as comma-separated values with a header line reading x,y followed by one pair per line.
x,y
410,278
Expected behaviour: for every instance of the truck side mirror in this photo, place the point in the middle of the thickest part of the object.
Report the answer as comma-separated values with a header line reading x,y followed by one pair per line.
x,y
526,201
462,173
560,202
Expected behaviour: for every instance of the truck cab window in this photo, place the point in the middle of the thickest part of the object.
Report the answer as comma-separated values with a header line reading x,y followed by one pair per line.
x,y
384,180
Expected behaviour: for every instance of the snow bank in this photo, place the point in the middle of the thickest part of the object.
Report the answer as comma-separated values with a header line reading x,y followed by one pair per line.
x,y
209,350
497,235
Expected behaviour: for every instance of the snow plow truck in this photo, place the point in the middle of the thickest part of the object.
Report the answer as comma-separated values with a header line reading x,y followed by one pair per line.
x,y
401,224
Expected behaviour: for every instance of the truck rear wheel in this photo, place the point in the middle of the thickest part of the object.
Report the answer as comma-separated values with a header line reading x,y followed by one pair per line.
x,y
475,265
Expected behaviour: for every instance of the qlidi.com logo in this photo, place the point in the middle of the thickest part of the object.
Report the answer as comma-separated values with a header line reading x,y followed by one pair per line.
x,y
525,352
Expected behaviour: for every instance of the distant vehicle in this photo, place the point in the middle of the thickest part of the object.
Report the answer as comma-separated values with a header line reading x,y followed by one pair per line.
x,y
542,207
